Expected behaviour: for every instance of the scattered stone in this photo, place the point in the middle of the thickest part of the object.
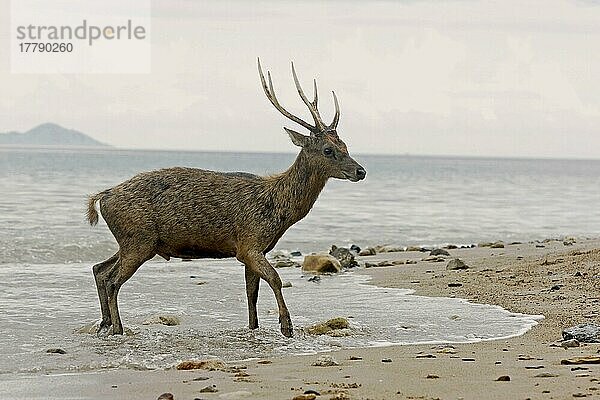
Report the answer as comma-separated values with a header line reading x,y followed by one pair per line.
x,y
344,256
439,252
468,359
315,278
581,360
211,365
432,376
584,333
579,394
569,343
523,357
455,284
545,375
199,378
485,244
579,369
355,249
310,391
327,327
414,248
540,246
388,249
446,350
386,360
209,389
369,251
384,263
321,263
286,263
433,259
355,358
165,396
325,360
497,245
398,262
556,287
286,284
569,241
425,356
56,351
168,320
503,378
456,264
201,282
264,362
534,367
296,254
451,247
310,396
410,262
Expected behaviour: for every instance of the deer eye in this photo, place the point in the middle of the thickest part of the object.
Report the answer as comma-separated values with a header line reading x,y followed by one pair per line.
x,y
327,151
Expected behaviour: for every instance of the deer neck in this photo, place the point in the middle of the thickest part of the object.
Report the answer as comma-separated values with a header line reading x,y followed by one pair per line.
x,y
297,188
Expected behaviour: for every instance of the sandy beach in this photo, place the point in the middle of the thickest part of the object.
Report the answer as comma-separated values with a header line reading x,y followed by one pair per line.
x,y
550,278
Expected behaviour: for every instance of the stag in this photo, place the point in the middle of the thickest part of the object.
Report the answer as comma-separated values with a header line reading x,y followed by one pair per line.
x,y
195,213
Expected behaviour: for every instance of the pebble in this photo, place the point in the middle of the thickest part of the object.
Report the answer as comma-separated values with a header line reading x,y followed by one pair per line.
x,y
439,252
456,264
545,375
534,366
209,389
328,326
369,251
569,343
56,351
168,320
211,365
311,391
325,361
263,362
165,396
296,254
315,278
355,358
287,284
581,360
503,378
386,360
432,376
455,284
310,396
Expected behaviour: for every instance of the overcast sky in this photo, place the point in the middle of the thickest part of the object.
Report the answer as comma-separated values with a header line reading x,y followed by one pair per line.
x,y
480,78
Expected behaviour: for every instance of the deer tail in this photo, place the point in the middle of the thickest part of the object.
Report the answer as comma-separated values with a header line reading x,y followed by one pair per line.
x,y
92,213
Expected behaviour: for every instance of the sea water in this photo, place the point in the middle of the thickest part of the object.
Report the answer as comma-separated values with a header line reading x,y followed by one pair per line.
x,y
47,290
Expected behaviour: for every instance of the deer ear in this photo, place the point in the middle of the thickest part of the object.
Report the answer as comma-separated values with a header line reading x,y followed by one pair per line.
x,y
297,138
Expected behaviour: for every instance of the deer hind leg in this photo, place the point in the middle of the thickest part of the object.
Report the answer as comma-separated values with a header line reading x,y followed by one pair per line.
x,y
252,283
123,270
99,277
257,262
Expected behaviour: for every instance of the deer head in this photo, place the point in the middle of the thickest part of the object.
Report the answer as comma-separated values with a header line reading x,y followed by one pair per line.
x,y
323,145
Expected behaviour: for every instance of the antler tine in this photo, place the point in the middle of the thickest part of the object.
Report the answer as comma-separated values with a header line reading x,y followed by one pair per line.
x,y
314,103
336,117
270,93
313,110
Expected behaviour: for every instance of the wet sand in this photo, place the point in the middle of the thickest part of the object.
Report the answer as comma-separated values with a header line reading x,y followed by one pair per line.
x,y
523,278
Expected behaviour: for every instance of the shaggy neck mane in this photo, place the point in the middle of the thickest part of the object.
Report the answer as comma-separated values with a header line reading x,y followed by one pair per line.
x,y
297,189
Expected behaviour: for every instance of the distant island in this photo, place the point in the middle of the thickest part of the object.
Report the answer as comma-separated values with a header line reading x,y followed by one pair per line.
x,y
49,135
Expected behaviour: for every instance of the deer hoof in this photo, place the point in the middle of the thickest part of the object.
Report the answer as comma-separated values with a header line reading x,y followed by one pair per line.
x,y
286,327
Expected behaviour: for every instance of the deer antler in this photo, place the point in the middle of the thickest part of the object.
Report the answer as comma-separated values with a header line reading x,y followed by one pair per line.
x,y
319,126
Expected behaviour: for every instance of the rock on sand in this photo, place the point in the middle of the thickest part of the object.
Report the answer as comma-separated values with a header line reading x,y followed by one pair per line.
x,y
327,327
456,264
321,263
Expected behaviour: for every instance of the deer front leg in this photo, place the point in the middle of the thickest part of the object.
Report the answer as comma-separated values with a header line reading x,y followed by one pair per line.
x,y
252,283
258,264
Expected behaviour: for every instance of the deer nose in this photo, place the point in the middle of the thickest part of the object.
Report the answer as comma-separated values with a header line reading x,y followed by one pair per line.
x,y
361,173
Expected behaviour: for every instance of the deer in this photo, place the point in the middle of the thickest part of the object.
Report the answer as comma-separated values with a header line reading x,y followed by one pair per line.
x,y
192,213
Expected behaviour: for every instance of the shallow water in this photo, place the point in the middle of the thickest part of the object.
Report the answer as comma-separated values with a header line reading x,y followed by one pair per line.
x,y
43,307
